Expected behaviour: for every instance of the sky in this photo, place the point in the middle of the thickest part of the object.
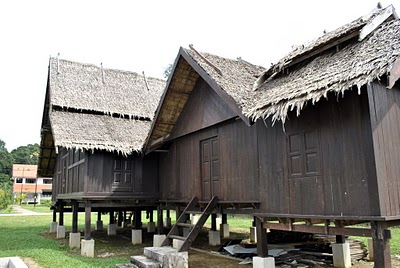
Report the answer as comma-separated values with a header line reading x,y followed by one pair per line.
x,y
144,36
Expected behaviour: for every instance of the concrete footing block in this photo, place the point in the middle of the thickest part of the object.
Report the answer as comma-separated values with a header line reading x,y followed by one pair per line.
x,y
136,237
218,222
151,227
12,262
195,218
341,255
370,249
74,240
167,222
224,230
253,235
99,225
158,239
53,227
112,229
87,248
177,244
259,262
214,238
60,231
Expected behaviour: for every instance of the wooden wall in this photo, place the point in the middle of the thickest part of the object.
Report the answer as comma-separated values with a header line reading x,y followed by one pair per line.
x,y
385,122
321,163
104,173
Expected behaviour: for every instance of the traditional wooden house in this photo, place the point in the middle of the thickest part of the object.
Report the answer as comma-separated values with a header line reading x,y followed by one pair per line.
x,y
330,163
95,122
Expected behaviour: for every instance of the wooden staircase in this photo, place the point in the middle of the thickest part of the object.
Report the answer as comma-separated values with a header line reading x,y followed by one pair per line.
x,y
194,229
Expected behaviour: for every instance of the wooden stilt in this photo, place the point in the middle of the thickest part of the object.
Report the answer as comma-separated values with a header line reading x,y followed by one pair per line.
x,y
262,245
224,218
168,214
88,213
75,208
340,239
54,215
178,213
381,243
138,219
159,220
112,219
213,222
99,216
119,220
61,215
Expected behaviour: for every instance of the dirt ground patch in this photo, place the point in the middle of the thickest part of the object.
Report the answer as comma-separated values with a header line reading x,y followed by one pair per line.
x,y
120,246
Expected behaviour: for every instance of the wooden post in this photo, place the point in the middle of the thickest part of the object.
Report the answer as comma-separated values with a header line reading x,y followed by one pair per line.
x,y
112,219
119,220
213,221
159,220
88,213
340,239
224,218
61,216
138,219
262,244
75,209
168,214
54,215
253,223
99,216
151,216
177,213
381,243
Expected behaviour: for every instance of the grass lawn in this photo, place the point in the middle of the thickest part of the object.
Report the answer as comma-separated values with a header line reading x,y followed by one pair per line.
x,y
38,208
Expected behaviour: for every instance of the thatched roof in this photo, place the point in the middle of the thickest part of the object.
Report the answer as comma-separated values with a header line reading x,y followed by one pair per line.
x,y
231,79
89,87
92,108
357,64
89,132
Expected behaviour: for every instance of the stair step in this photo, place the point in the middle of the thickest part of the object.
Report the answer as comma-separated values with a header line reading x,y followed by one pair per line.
x,y
177,237
126,265
193,212
145,262
188,225
167,256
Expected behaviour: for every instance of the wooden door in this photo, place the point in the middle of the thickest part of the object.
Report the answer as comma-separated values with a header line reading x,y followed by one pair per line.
x,y
209,167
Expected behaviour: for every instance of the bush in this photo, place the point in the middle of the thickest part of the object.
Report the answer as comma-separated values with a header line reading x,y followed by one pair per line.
x,y
6,199
20,198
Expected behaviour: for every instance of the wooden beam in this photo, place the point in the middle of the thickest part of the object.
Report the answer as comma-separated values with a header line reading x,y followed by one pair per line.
x,y
61,214
394,73
75,209
213,222
375,22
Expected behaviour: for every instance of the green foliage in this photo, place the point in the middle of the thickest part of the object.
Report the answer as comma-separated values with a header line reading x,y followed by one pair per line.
x,y
6,199
5,163
27,155
20,198
168,70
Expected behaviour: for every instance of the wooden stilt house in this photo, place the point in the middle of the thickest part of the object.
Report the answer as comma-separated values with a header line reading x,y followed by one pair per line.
x,y
95,122
311,144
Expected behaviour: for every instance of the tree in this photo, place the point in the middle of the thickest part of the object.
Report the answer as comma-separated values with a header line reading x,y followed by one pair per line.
x,y
27,155
5,163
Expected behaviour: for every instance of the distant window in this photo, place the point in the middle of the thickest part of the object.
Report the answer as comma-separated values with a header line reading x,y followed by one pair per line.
x,y
46,194
18,180
30,180
47,181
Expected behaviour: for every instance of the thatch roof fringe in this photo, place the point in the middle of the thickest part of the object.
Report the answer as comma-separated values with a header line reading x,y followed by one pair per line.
x,y
356,65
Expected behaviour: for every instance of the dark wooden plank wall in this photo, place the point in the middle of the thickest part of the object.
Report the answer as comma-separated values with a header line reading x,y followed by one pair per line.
x,y
341,178
385,122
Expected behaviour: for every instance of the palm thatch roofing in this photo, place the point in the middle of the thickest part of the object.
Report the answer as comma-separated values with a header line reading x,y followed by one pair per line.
x,y
93,108
231,79
336,70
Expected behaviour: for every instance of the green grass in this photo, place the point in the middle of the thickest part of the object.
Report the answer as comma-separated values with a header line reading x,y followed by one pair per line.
x,y
394,242
38,208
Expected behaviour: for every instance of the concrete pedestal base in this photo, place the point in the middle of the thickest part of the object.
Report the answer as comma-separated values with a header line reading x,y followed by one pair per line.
x,y
99,225
253,235
370,249
167,222
60,231
195,218
224,230
151,227
218,221
214,238
341,255
259,262
87,248
176,243
53,227
158,239
75,240
112,229
136,237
